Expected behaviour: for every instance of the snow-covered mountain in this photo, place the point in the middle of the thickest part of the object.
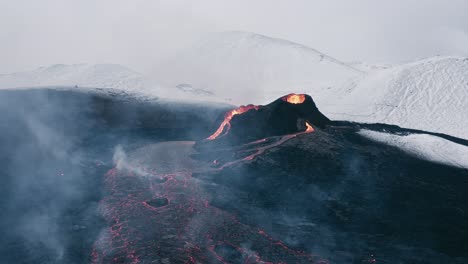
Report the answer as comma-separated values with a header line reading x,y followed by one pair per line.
x,y
430,94
247,67
242,68
85,75
107,77
424,146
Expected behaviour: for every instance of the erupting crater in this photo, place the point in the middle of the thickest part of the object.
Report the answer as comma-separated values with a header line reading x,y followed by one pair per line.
x,y
294,98
293,113
251,130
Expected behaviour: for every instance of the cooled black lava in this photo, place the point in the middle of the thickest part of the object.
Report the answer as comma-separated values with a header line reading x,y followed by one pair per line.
x,y
278,184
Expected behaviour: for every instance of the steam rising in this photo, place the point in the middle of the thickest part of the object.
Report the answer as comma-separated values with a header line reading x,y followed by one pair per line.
x,y
56,147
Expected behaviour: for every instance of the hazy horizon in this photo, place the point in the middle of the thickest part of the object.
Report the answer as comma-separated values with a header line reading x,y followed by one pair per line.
x,y
140,34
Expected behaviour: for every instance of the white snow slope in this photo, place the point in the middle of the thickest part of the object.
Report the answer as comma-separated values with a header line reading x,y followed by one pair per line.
x,y
245,68
425,146
85,75
241,67
430,94
106,77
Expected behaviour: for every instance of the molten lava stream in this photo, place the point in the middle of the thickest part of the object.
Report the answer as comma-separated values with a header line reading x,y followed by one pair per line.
x,y
226,124
184,229
309,128
260,150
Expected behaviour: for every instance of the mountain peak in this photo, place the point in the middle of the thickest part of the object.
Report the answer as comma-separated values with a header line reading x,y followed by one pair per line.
x,y
259,41
233,64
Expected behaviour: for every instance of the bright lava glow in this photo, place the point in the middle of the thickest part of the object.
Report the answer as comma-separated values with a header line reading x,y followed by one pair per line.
x,y
261,149
228,117
294,98
309,128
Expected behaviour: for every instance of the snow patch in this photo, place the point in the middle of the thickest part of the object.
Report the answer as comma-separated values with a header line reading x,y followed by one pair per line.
x,y
430,95
424,146
102,78
86,75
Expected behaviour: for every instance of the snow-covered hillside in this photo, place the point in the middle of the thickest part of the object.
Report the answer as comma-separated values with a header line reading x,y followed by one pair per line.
x,y
243,68
85,75
431,95
424,146
250,68
109,78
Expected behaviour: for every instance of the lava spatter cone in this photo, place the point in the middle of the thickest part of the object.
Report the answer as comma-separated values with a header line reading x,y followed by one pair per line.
x,y
289,114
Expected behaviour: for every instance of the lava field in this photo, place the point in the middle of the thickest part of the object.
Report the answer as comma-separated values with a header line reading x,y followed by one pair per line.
x,y
114,179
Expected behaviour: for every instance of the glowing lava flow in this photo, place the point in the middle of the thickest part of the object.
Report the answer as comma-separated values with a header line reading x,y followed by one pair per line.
x,y
309,127
167,216
294,98
185,228
226,124
228,117
260,150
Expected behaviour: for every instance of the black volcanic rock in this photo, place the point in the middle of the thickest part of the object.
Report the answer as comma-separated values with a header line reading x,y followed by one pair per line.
x,y
356,200
158,202
277,118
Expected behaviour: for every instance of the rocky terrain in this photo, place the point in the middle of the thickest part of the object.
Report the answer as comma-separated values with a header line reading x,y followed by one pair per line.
x,y
109,178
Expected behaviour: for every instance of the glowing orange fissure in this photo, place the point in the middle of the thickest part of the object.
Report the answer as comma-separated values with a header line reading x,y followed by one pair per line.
x,y
260,150
228,117
294,98
309,128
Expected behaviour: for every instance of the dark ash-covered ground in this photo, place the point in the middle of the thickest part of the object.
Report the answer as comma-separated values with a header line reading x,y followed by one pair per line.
x,y
351,200
55,148
90,178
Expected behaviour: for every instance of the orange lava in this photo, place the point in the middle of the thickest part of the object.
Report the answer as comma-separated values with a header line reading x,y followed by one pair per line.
x,y
228,117
261,149
309,128
294,98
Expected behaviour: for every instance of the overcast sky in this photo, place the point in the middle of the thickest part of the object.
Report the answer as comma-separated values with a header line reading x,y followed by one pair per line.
x,y
139,33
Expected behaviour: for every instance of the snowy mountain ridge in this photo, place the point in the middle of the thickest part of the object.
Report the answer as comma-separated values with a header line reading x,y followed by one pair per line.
x,y
430,94
259,38
248,67
88,75
241,67
101,78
